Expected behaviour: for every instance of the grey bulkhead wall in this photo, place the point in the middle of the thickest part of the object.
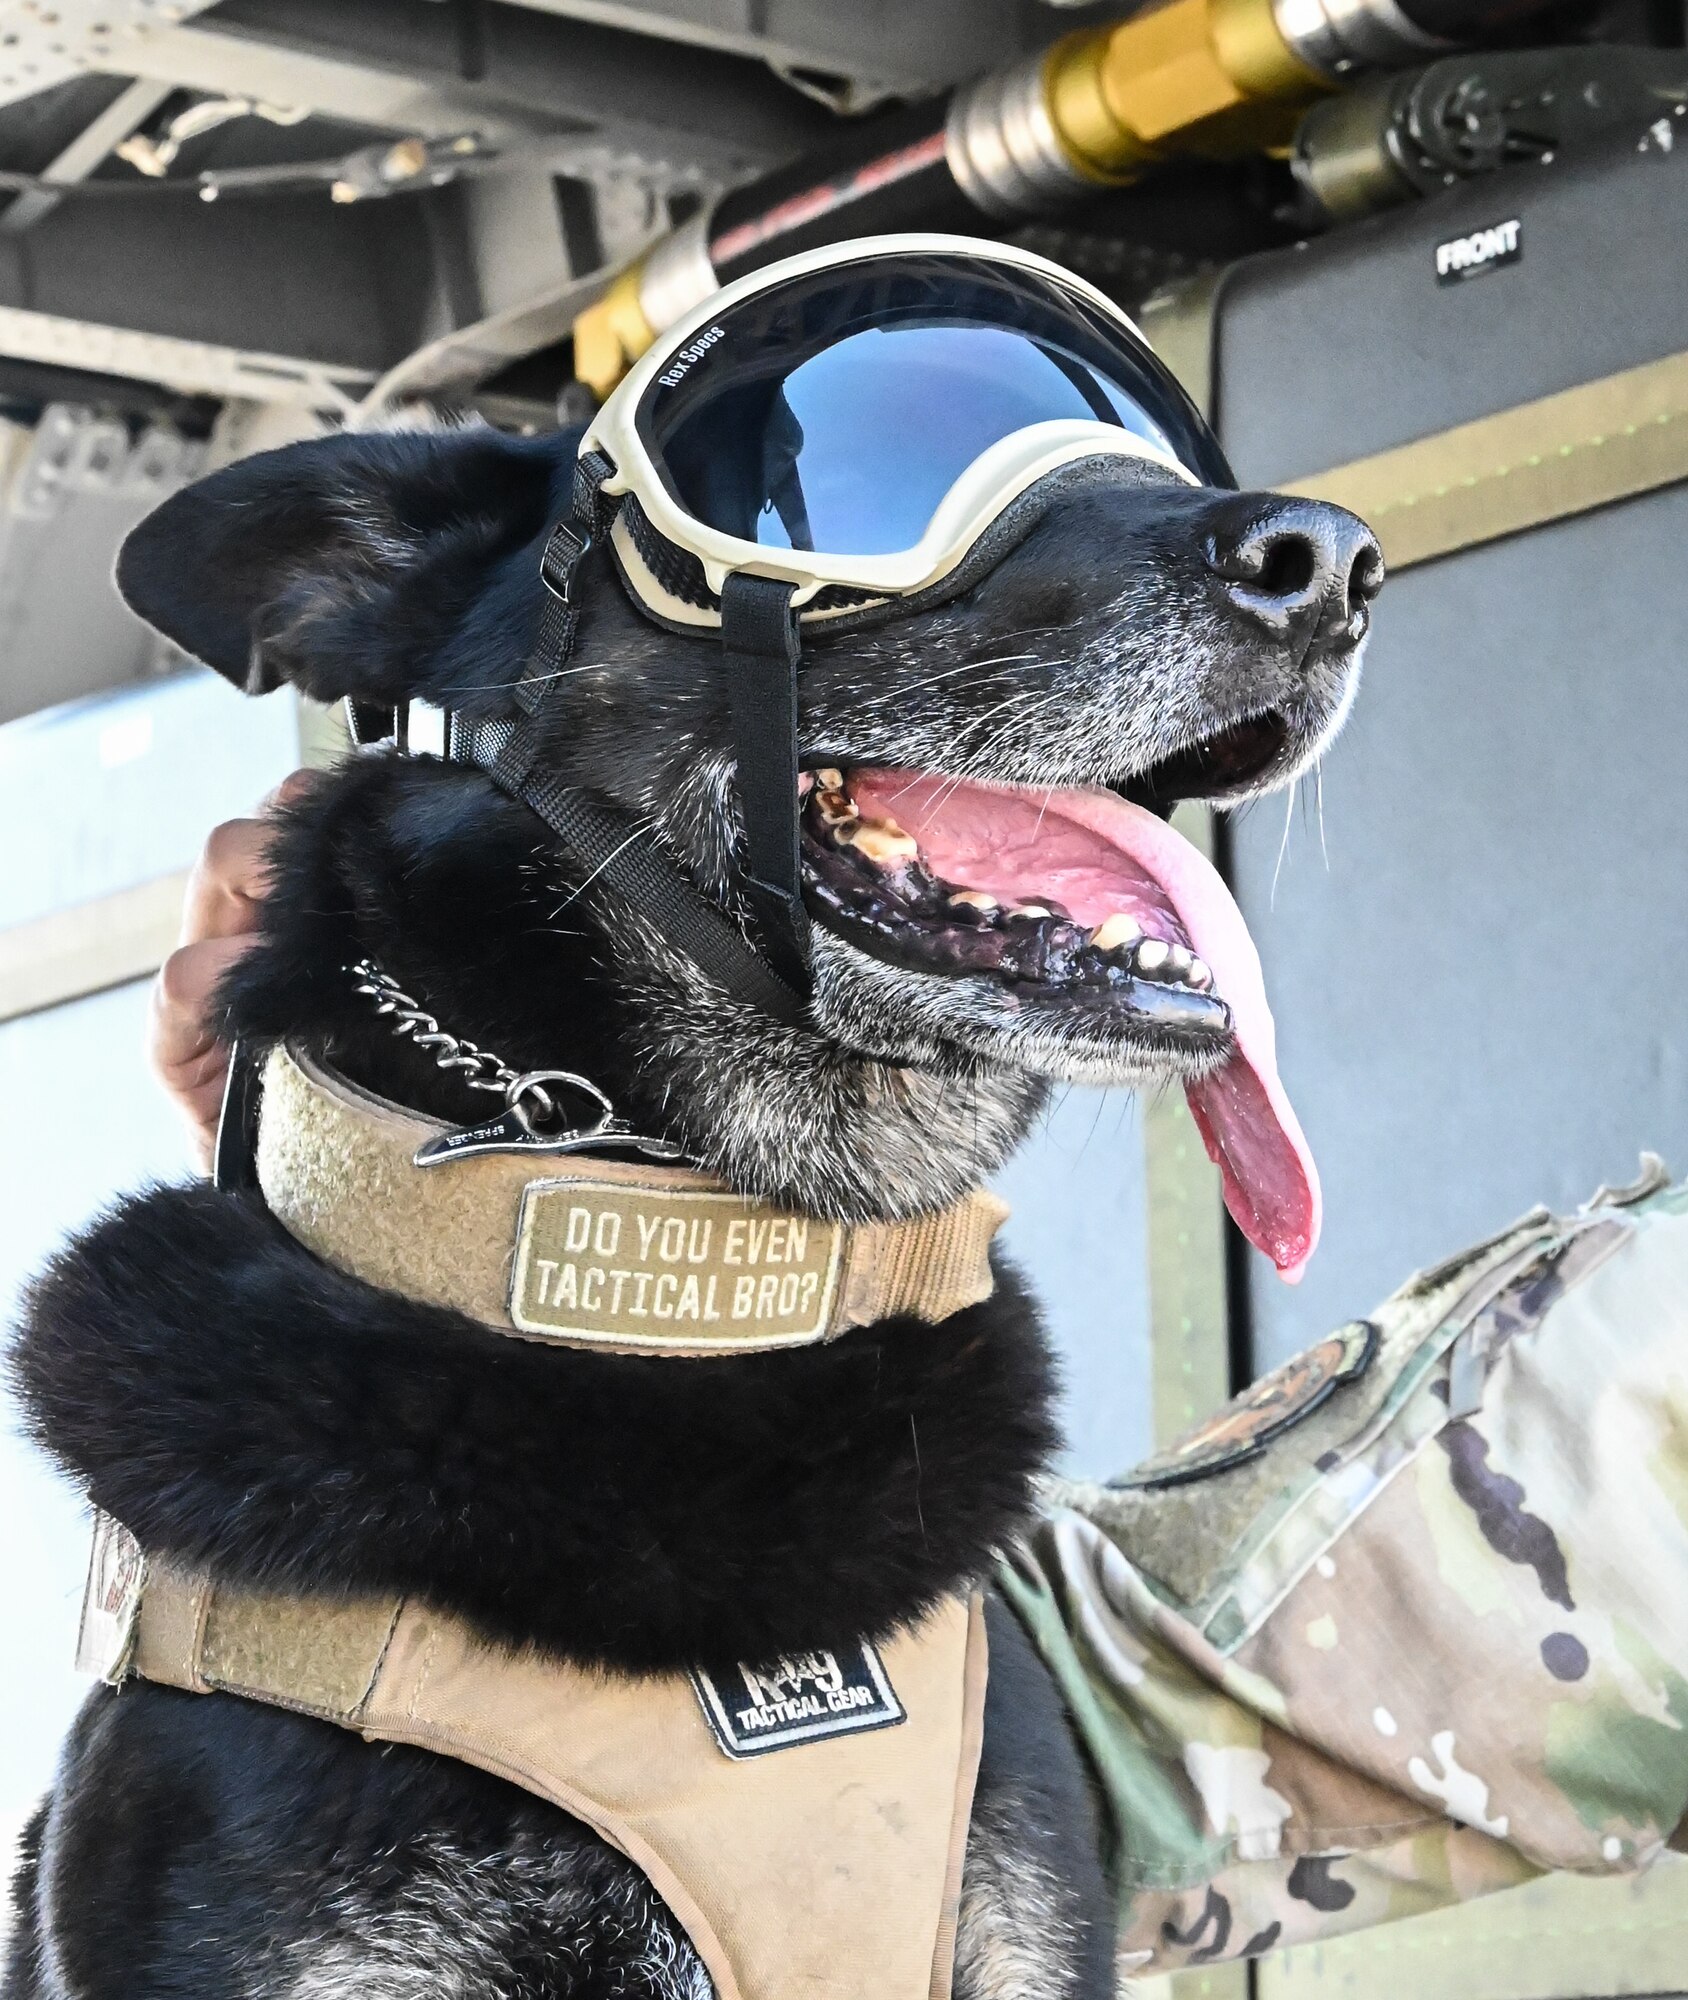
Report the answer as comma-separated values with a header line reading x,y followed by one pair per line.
x,y
1079,1234
1482,998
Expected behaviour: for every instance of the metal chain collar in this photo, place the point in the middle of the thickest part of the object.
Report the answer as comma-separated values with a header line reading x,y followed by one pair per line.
x,y
481,1070
533,1117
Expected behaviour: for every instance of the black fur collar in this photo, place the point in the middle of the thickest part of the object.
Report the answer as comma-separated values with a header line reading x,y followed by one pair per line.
x,y
244,1407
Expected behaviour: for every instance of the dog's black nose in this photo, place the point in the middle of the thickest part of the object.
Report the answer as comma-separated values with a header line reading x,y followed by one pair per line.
x,y
1302,569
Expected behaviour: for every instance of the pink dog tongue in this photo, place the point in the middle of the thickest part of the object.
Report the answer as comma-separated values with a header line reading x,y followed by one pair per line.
x,y
1096,854
1271,1183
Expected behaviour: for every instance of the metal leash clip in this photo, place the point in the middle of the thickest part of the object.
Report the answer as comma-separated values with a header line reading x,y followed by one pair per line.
x,y
534,1121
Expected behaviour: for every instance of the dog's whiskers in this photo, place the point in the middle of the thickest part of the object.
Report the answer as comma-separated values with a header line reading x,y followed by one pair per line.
x,y
919,1515
953,780
966,667
1283,844
504,687
640,829
1319,804
938,756
1028,706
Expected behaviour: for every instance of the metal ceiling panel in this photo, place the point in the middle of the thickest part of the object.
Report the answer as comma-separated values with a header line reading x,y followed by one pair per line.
x,y
641,104
43,45
883,45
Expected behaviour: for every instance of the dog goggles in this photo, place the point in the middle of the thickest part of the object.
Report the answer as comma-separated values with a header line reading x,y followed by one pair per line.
x,y
857,421
836,439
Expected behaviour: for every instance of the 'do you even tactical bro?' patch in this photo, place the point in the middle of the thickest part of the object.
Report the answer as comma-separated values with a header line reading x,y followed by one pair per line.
x,y
632,1267
801,1699
1264,1410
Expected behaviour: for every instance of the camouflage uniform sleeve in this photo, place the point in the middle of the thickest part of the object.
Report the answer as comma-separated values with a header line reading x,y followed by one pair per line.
x,y
1407,1623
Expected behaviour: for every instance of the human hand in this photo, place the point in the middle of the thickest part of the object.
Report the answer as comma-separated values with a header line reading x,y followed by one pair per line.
x,y
220,914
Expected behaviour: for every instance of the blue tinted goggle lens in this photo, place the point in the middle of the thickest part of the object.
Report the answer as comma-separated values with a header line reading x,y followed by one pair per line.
x,y
835,416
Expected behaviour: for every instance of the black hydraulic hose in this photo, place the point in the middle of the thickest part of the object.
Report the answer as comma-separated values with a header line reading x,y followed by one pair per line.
x,y
888,173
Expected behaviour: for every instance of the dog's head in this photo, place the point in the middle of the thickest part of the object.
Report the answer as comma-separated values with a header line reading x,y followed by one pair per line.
x,y
995,889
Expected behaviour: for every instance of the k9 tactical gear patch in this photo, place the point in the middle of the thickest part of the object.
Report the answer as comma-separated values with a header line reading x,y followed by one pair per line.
x,y
800,1699
1264,1410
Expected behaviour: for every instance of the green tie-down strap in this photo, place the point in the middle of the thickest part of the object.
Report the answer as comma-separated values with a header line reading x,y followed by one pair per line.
x,y
1409,1622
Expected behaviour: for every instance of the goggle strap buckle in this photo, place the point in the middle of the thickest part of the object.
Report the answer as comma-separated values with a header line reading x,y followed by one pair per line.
x,y
559,614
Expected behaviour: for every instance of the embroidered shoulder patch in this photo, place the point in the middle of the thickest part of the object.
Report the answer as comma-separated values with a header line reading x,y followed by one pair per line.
x,y
1264,1410
801,1699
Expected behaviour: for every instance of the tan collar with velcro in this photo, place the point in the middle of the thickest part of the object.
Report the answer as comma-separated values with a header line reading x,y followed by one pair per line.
x,y
592,1252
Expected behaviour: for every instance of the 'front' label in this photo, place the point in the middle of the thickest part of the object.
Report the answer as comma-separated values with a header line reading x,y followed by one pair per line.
x,y
638,1267
1464,257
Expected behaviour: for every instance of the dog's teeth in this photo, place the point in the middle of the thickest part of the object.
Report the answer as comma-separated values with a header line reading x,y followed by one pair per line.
x,y
1152,956
1179,961
884,843
1118,930
830,779
1200,975
975,899
1034,911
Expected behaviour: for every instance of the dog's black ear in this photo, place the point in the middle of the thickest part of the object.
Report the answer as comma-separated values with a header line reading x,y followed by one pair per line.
x,y
380,566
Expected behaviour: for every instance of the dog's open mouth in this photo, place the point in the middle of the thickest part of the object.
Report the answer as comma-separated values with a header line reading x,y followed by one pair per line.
x,y
1075,899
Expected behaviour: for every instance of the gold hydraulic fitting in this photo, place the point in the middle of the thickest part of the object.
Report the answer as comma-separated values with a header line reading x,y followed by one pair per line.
x,y
610,335
1203,77
1194,76
654,291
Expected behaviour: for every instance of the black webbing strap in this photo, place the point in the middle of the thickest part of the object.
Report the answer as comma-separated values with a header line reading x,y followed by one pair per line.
x,y
610,849
606,845
559,617
590,504
760,638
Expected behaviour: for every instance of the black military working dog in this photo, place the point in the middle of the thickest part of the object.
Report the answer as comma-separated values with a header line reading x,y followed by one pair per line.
x,y
248,1409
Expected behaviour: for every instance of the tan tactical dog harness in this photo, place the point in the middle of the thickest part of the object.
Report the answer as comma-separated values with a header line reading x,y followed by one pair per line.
x,y
804,1819
827,1868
